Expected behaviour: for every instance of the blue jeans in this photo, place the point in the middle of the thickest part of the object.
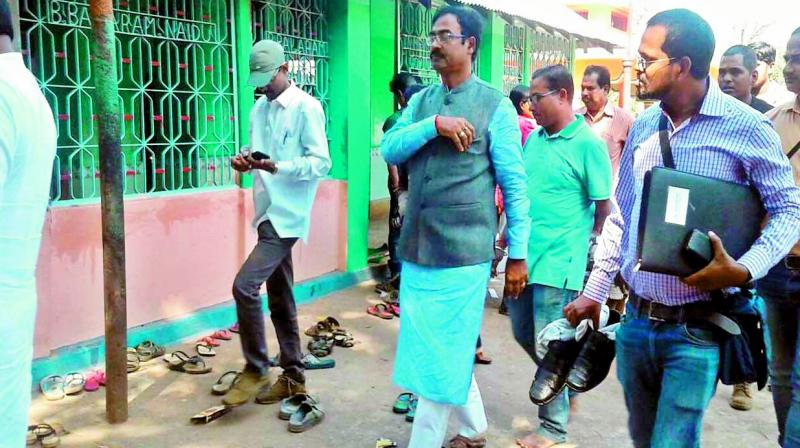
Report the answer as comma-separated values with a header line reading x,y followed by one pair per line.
x,y
536,307
781,292
668,374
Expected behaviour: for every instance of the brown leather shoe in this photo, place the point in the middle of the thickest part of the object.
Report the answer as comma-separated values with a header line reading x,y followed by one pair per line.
x,y
742,398
244,389
284,387
460,441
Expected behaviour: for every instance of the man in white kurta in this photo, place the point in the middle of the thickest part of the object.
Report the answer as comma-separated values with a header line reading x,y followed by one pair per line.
x,y
27,150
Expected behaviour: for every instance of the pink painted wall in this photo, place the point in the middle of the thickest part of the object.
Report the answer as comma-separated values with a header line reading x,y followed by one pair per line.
x,y
183,251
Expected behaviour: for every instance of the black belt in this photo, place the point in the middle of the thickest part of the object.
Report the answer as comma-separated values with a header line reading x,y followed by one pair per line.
x,y
697,311
792,262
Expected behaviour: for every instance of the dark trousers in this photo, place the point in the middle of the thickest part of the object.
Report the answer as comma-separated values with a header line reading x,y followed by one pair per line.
x,y
270,262
394,236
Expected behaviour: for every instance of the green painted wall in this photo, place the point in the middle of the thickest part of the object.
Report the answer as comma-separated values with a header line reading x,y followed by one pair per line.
x,y
383,48
491,52
350,118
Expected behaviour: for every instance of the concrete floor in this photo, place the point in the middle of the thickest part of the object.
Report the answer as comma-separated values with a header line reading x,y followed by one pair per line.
x,y
358,396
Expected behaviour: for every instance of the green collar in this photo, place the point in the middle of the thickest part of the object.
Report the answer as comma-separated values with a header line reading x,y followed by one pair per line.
x,y
568,132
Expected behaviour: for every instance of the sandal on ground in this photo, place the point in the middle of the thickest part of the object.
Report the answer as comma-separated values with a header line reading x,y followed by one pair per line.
x,y
385,443
460,441
44,434
52,387
133,361
402,403
308,415
412,409
234,328
225,382
381,310
480,358
323,327
343,340
222,335
208,340
210,414
181,362
290,405
149,350
320,347
94,380
73,383
205,350
312,362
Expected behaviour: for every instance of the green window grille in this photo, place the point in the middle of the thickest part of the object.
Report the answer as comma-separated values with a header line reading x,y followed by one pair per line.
x,y
514,56
177,94
551,48
414,51
301,26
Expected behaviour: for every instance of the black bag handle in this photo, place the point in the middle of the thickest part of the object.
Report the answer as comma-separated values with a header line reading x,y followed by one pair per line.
x,y
663,138
793,151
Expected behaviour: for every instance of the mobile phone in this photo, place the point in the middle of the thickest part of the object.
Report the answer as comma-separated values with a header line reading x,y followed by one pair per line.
x,y
256,155
697,250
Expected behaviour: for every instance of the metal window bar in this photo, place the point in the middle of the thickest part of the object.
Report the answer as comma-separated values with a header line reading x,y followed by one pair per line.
x,y
514,56
176,87
548,48
301,26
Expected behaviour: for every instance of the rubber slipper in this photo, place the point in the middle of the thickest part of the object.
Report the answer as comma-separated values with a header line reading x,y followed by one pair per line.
x,y
312,362
73,383
385,443
205,350
343,340
290,405
320,347
225,382
381,310
210,414
44,434
52,387
149,350
412,409
394,308
133,360
402,403
93,381
181,362
480,358
308,415
208,340
223,335
234,328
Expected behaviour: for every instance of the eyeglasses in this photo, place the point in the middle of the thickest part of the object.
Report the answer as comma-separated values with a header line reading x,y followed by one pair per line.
x,y
642,64
444,37
536,97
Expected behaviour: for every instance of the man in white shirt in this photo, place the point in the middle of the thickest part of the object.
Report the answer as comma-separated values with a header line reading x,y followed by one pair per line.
x,y
288,156
765,88
27,150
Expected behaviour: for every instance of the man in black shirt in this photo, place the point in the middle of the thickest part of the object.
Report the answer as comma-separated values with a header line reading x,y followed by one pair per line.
x,y
737,74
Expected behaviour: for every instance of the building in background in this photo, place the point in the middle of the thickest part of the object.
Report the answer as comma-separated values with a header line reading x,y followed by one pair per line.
x,y
182,69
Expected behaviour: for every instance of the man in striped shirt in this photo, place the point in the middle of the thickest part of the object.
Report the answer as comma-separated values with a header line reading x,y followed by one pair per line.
x,y
668,367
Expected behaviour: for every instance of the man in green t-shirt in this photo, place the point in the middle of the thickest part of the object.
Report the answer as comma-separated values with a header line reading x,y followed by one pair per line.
x,y
569,186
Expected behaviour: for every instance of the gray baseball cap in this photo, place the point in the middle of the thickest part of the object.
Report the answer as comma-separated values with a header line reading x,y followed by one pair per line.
x,y
265,60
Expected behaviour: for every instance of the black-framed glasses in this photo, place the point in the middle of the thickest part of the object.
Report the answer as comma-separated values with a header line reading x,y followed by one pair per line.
x,y
536,97
642,64
444,37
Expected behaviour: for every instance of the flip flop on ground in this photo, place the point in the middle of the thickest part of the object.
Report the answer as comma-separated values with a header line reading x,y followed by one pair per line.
x,y
181,362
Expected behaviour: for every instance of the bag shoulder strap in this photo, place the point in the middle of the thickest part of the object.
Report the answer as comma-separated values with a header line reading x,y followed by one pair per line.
x,y
663,138
793,151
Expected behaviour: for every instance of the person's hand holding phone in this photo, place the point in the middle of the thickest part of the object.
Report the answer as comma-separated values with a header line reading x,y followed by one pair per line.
x,y
239,162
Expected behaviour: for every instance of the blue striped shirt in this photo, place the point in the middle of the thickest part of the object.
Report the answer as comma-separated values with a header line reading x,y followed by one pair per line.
x,y
726,140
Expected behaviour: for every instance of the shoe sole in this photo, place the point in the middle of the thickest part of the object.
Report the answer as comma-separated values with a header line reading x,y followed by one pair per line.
x,y
299,429
263,401
741,407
